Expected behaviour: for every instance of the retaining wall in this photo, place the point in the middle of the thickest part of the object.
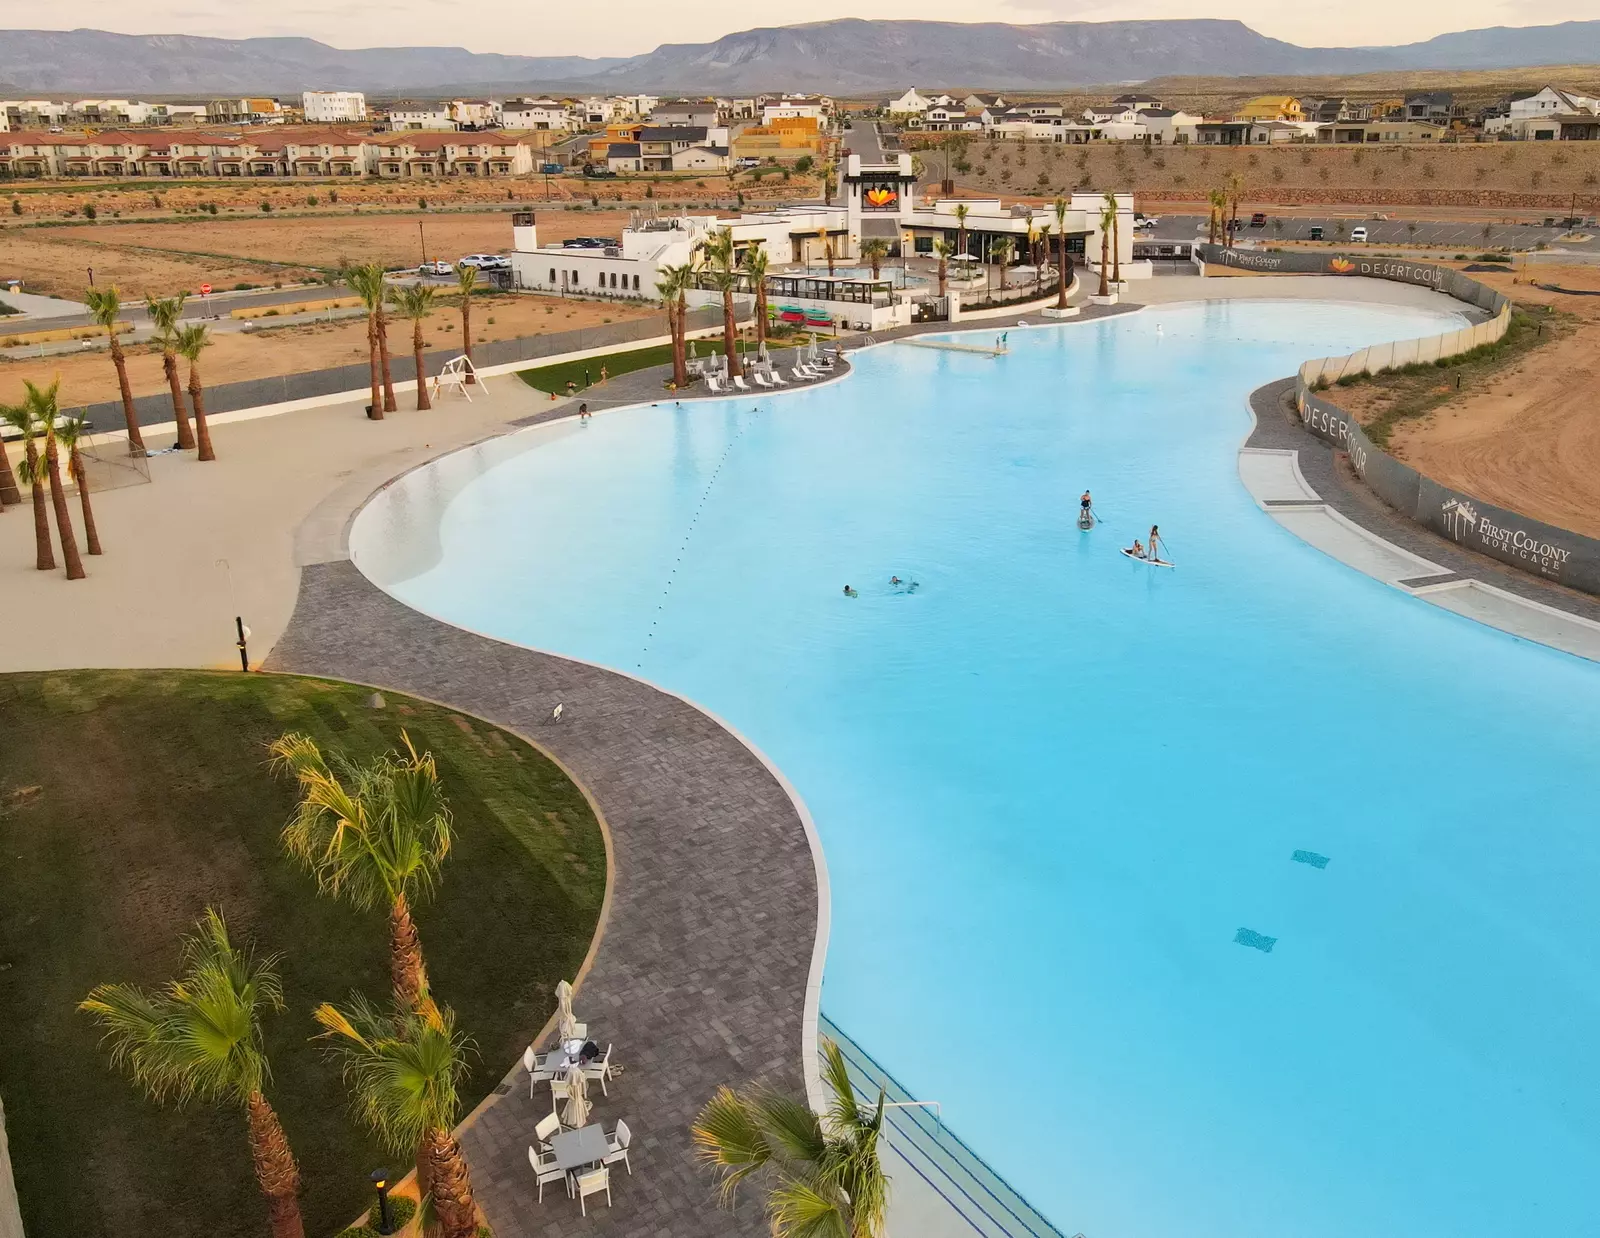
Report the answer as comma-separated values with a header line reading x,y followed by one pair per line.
x,y
253,393
1537,548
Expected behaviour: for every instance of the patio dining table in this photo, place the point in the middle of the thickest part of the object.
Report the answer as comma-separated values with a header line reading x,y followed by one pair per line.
x,y
585,1146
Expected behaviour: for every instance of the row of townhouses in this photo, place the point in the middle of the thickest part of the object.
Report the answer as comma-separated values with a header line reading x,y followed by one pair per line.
x,y
268,154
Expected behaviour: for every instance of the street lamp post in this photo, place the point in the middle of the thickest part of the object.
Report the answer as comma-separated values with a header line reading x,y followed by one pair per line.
x,y
423,237
380,1180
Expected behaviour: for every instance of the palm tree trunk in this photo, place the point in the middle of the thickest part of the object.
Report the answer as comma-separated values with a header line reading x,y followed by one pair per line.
x,y
58,500
405,956
466,334
451,1185
372,364
1105,242
383,360
180,414
761,316
944,276
276,1173
1116,248
422,374
202,431
135,439
1061,273
680,374
681,357
44,556
730,334
9,494
81,476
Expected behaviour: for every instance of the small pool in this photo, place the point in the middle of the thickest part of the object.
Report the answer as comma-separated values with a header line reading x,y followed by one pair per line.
x,y
1250,899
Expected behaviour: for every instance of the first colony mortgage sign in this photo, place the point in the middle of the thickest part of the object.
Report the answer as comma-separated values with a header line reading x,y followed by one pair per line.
x,y
1502,534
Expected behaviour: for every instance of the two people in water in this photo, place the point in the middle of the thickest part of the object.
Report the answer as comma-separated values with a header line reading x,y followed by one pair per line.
x,y
895,583
1153,551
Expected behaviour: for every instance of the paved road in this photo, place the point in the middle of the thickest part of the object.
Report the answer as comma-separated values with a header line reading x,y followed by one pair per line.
x,y
861,138
1446,234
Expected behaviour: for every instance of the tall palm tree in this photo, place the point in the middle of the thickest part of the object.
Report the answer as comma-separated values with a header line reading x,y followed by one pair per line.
x,y
32,474
404,1070
360,280
1044,255
191,342
45,404
823,1173
1108,219
961,212
69,433
1060,207
830,180
374,835
104,307
755,269
875,251
1235,190
1218,201
1116,238
416,303
944,249
719,253
199,1038
671,286
166,312
1000,251
467,285
9,494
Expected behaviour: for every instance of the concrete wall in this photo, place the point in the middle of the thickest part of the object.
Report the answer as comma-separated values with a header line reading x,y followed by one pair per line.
x,y
10,1214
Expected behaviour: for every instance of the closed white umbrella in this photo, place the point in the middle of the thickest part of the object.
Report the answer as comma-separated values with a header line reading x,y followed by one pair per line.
x,y
566,1023
577,1098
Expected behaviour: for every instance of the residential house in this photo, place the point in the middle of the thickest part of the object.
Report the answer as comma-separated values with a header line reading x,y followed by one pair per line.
x,y
910,103
980,102
1325,111
625,157
702,112
1137,102
784,140
1549,101
32,113
1270,107
1352,133
1432,106
952,118
1244,132
701,159
1037,110
534,114
246,111
658,144
332,107
1168,126
410,115
794,107
474,113
616,131
487,154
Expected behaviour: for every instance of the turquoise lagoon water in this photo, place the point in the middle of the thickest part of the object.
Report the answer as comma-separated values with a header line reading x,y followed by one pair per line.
x,y
1053,785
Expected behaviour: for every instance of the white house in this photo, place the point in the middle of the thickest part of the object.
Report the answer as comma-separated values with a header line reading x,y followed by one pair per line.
x,y
474,113
691,112
910,103
409,115
534,114
794,108
332,107
1549,101
1167,125
700,159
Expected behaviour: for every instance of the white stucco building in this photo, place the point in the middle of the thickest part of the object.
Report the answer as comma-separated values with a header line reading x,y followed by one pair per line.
x,y
332,107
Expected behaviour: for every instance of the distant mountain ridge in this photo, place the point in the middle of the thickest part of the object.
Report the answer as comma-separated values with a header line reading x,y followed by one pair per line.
x,y
847,56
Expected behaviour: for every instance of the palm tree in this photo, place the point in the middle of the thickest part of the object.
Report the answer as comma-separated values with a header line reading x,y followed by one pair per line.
x,y
199,1037
192,341
667,289
961,212
375,835
1218,201
1000,251
404,1069
1235,191
1044,255
724,270
830,180
366,280
9,494
104,307
467,285
1059,206
69,433
1108,218
824,1175
32,474
944,250
166,312
45,404
416,303
755,268
875,251
1116,238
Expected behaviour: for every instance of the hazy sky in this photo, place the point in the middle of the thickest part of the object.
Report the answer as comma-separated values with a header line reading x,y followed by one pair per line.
x,y
625,27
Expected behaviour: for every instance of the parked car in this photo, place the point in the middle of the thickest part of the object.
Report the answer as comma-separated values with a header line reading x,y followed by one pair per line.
x,y
596,173
1358,234
437,267
486,262
748,161
1316,232
1258,220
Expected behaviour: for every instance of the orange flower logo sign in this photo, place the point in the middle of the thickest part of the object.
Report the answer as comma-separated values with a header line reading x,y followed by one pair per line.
x,y
881,196
1341,266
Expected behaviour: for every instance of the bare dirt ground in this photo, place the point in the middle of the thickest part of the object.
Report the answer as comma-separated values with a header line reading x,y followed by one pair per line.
x,y
48,262
1532,441
89,377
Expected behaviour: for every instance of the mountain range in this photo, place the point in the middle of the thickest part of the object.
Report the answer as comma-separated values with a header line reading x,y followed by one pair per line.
x,y
848,56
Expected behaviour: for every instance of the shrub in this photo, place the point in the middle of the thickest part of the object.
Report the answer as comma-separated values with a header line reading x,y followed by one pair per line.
x,y
267,207
333,195
649,191
16,206
422,204
212,207
89,211
1349,380
311,199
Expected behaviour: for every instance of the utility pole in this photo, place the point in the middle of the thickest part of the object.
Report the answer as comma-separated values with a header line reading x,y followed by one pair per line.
x,y
424,239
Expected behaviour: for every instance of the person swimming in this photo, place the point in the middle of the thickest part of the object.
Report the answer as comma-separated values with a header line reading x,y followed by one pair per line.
x,y
895,580
849,592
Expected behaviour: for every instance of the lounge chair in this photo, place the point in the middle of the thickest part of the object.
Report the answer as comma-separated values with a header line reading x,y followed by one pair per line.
x,y
739,383
592,1183
712,385
804,378
761,380
778,380
545,1169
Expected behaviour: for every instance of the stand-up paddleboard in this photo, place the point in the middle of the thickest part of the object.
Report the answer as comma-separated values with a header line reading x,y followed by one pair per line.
x,y
1085,519
1143,559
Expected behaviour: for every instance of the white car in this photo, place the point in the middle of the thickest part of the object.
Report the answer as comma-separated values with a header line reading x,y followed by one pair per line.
x,y
439,267
486,262
1358,234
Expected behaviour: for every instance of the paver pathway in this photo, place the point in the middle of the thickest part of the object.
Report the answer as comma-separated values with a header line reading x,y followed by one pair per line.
x,y
701,974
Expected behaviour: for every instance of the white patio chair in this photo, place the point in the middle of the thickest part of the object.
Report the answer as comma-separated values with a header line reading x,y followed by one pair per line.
x,y
761,380
799,377
558,1093
808,370
600,1069
739,383
545,1169
538,1072
592,1183
778,380
548,1127
712,385
619,1141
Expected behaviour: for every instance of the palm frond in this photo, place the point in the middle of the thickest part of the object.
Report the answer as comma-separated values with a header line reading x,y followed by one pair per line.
x,y
729,1135
793,1129
105,304
192,340
808,1206
844,1111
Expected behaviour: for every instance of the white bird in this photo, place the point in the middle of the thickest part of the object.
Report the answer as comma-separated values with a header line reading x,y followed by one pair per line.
x,y
555,714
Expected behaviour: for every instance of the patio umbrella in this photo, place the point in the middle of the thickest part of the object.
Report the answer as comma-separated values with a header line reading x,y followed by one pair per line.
x,y
577,1098
564,1005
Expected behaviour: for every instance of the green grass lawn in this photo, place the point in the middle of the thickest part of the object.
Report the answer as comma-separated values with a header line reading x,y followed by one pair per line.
x,y
132,800
556,377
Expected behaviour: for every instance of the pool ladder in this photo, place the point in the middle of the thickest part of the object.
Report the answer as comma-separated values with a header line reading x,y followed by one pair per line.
x,y
915,1129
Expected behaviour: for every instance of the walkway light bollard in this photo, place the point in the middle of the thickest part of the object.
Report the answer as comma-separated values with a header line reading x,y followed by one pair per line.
x,y
380,1180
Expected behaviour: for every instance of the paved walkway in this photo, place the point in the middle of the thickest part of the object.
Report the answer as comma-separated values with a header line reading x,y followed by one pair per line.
x,y
703,966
